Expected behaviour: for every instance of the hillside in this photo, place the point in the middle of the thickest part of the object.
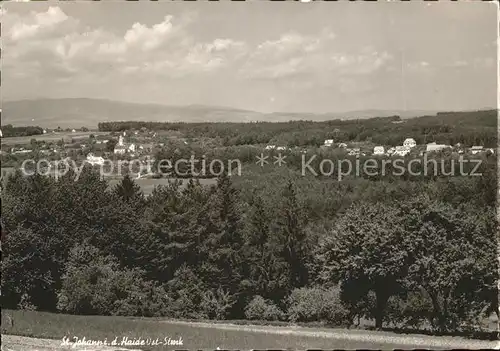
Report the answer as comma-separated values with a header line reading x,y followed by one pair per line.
x,y
78,112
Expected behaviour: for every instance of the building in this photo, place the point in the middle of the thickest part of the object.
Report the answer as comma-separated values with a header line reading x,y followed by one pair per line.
x,y
409,142
354,152
23,151
391,150
73,131
342,145
378,150
95,160
476,149
281,148
433,147
146,148
270,147
120,148
401,151
328,142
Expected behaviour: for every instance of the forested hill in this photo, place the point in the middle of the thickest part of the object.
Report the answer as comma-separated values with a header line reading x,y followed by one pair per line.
x,y
470,128
72,112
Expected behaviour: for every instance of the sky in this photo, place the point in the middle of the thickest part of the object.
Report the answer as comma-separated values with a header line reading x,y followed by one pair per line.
x,y
264,56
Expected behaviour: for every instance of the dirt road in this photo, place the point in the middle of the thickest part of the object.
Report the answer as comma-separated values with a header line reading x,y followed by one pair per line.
x,y
22,343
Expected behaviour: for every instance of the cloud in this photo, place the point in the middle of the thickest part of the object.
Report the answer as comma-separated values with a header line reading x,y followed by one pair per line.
x,y
294,55
50,46
35,24
62,46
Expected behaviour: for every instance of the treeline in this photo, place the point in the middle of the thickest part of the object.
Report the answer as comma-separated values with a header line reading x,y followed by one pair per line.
x,y
468,128
10,131
284,247
328,163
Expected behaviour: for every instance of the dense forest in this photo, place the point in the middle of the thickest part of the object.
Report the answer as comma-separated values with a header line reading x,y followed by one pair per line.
x,y
468,128
270,245
10,131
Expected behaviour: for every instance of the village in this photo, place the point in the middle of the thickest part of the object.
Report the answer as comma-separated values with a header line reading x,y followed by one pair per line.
x,y
95,147
260,178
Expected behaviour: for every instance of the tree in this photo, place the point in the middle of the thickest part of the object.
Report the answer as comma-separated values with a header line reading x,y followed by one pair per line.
x,y
224,243
453,258
26,270
364,252
266,268
292,237
110,145
129,191
96,284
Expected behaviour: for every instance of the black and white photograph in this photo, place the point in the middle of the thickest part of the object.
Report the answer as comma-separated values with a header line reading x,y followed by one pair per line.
x,y
249,175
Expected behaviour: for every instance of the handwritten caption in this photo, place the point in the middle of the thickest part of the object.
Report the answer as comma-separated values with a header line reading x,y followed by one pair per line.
x,y
122,341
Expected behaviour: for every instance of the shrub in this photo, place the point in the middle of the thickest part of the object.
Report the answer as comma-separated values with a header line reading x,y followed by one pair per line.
x,y
216,305
186,289
96,284
25,303
261,309
316,304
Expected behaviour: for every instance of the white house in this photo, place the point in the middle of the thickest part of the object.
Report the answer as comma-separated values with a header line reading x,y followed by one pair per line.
x,y
45,131
27,151
409,142
95,160
476,149
378,150
401,151
433,147
342,145
281,148
354,152
131,148
328,142
73,131
270,147
120,150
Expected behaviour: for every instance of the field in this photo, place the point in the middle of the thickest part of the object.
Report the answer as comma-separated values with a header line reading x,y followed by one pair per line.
x,y
206,335
49,137
147,185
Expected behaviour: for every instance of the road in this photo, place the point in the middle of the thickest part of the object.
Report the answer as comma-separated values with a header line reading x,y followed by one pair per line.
x,y
22,343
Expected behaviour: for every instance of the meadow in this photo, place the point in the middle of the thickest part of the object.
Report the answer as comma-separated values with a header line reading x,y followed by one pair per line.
x,y
210,335
24,140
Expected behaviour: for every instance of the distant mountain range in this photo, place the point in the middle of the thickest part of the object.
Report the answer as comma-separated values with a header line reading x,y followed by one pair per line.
x,y
79,112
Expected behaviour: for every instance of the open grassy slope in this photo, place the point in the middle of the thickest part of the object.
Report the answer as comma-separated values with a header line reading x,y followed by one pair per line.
x,y
207,335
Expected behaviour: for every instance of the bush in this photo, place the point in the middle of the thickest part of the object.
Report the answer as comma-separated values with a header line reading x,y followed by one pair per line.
x,y
216,305
186,289
261,309
417,309
316,304
25,303
96,284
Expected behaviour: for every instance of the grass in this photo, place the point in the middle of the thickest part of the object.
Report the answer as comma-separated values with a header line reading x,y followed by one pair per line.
x,y
147,185
49,137
197,335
